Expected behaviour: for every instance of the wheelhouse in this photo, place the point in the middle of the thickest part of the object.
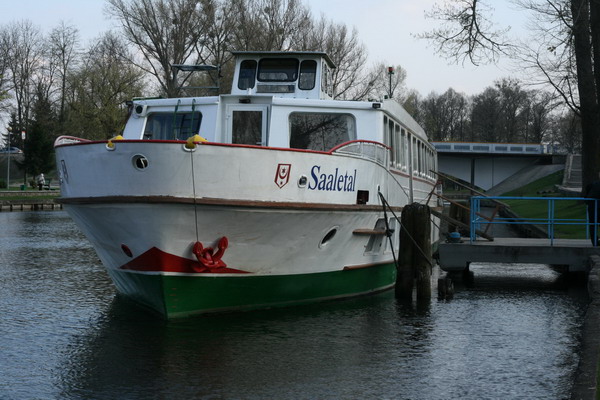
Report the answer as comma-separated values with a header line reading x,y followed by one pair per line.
x,y
305,75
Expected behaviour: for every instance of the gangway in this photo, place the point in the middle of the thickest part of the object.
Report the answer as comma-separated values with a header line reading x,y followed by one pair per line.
x,y
571,254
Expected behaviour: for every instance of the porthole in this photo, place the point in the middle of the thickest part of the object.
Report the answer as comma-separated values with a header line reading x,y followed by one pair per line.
x,y
328,237
139,162
302,181
126,250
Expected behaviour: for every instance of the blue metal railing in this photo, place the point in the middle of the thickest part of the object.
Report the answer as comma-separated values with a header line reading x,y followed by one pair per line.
x,y
478,220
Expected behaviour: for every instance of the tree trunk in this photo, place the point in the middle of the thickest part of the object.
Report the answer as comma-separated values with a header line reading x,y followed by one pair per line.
x,y
590,121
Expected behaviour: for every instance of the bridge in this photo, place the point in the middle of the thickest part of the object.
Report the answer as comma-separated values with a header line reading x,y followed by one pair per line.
x,y
485,165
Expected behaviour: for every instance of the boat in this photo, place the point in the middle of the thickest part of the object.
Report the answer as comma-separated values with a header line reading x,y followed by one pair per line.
x,y
269,196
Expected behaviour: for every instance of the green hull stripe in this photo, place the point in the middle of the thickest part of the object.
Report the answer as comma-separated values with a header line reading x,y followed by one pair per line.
x,y
183,295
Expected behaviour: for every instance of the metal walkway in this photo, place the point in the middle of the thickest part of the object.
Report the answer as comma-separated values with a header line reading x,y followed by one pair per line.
x,y
572,254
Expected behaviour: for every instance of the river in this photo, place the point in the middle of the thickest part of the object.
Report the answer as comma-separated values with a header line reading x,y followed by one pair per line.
x,y
64,334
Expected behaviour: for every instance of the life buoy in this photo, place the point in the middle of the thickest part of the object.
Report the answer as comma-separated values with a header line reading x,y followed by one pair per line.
x,y
208,258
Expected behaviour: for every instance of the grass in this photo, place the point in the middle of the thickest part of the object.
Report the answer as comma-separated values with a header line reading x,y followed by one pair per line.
x,y
16,194
546,184
566,211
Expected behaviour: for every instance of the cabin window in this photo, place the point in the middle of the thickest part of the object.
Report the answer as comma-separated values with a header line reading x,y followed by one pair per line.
x,y
308,74
247,74
320,131
404,149
278,70
415,158
326,87
399,144
172,126
391,142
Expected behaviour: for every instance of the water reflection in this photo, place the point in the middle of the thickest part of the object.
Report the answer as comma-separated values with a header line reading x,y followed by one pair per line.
x,y
513,333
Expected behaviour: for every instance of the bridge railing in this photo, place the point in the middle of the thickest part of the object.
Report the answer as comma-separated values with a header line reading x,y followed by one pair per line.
x,y
477,221
499,148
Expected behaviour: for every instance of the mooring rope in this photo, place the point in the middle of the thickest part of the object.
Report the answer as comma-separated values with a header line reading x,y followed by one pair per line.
x,y
399,184
194,191
388,231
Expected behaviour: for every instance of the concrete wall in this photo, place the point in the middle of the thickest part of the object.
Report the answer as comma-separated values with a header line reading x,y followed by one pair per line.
x,y
489,170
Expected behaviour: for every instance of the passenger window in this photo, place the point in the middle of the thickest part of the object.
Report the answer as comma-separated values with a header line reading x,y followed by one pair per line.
x,y
320,131
247,74
308,74
172,126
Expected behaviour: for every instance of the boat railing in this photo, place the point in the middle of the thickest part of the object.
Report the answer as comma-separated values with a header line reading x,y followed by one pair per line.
x,y
61,140
369,150
548,223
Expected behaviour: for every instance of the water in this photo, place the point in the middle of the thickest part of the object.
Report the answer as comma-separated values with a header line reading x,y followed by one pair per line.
x,y
64,334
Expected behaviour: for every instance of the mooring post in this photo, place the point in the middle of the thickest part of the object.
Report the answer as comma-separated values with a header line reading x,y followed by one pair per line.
x,y
414,260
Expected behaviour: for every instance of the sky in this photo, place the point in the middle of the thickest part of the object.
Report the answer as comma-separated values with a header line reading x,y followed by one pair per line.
x,y
385,27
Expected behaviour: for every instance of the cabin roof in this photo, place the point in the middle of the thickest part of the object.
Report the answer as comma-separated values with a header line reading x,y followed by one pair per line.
x,y
286,54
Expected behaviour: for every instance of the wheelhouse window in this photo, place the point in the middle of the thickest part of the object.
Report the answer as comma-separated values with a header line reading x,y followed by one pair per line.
x,y
172,126
278,70
308,74
320,131
247,74
326,86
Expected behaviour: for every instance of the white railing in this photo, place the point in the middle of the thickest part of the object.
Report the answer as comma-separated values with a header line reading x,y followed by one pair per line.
x,y
61,140
364,149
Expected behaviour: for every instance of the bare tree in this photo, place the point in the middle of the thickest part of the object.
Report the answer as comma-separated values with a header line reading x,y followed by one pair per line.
x,y
347,52
4,73
165,32
445,116
382,81
465,32
271,25
573,33
24,55
64,41
99,89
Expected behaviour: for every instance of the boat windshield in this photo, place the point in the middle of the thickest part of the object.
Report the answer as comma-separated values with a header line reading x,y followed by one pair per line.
x,y
172,126
278,70
320,131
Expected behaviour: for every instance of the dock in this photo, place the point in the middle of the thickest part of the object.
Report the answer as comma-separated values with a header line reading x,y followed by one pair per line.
x,y
30,200
572,254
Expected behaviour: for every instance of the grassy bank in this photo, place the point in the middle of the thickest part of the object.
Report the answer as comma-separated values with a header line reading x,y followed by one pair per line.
x,y
566,211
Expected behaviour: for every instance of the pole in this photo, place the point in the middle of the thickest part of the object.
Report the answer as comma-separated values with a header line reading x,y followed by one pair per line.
x,y
23,135
8,162
390,73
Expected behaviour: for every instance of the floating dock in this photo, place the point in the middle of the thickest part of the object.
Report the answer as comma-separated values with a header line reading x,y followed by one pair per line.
x,y
573,254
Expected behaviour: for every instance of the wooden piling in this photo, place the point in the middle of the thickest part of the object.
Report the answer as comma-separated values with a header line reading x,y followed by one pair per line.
x,y
414,259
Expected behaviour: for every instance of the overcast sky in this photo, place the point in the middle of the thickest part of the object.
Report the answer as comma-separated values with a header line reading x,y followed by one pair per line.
x,y
386,28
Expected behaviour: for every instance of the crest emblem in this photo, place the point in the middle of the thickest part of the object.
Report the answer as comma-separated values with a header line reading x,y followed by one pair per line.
x,y
282,176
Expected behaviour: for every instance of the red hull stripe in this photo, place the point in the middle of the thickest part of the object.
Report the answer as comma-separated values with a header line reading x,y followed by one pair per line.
x,y
156,260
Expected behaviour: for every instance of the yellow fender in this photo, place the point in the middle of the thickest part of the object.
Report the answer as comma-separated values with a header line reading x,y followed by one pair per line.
x,y
110,143
192,140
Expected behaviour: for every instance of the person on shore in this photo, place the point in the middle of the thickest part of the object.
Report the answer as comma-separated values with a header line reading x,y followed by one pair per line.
x,y
41,181
592,191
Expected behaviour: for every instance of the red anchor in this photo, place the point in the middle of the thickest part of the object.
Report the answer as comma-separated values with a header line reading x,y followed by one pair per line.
x,y
208,258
